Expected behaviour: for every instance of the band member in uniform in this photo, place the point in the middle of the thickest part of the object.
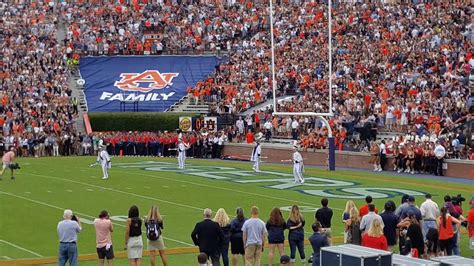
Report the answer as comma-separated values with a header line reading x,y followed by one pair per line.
x,y
256,152
104,159
182,147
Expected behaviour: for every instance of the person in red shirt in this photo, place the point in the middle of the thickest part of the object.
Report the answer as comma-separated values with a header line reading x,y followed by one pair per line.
x,y
249,137
446,231
365,209
470,221
374,238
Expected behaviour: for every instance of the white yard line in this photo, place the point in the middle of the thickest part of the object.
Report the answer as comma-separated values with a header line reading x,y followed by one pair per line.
x,y
6,257
82,214
20,248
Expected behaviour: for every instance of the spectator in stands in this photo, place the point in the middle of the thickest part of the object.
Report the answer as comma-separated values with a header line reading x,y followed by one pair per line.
x,y
324,215
154,219
352,227
236,236
276,226
295,226
254,234
224,222
446,231
390,221
133,236
67,232
208,235
103,229
429,212
374,237
317,241
365,209
367,219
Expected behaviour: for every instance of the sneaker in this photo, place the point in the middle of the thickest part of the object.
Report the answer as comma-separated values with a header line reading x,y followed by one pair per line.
x,y
412,172
302,181
105,178
399,171
379,170
395,168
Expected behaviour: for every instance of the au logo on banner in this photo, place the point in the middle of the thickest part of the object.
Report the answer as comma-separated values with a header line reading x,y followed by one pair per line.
x,y
209,123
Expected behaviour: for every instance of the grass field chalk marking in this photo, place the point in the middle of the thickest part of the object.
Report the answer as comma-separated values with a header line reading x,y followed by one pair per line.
x,y
82,214
119,191
21,248
226,189
6,257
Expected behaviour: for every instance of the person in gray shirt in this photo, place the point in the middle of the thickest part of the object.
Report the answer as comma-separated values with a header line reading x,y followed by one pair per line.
x,y
367,219
67,232
254,233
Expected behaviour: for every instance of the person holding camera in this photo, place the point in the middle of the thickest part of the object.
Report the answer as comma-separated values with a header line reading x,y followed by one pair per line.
x,y
7,160
103,228
68,229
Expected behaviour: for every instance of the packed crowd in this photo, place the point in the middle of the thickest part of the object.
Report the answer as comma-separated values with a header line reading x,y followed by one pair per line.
x,y
422,232
35,97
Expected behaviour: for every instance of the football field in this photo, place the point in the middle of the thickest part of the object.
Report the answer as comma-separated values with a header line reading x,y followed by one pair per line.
x,y
33,203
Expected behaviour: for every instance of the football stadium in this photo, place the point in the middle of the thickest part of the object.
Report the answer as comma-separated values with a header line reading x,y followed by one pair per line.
x,y
236,132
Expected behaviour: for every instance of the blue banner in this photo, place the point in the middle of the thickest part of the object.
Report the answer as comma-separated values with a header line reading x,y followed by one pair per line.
x,y
141,83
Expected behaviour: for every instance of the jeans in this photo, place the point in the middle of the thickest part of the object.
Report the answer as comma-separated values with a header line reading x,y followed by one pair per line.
x,y
225,253
426,225
296,244
456,239
67,252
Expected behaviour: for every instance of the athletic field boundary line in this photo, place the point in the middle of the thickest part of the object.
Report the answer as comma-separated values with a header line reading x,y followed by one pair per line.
x,y
21,248
82,214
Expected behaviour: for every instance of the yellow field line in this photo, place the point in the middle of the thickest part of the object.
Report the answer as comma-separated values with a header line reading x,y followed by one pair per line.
x,y
120,255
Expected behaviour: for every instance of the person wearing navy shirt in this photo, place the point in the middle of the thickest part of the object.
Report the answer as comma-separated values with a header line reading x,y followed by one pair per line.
x,y
323,216
295,226
390,221
276,226
411,208
317,240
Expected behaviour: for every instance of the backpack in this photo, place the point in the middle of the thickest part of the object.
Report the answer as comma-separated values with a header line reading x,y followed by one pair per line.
x,y
153,231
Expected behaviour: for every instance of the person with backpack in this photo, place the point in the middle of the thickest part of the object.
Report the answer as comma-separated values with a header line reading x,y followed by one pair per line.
x,y
154,225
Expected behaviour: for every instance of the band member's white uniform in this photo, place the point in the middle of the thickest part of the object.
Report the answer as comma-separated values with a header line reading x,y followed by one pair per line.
x,y
104,159
298,166
181,154
255,158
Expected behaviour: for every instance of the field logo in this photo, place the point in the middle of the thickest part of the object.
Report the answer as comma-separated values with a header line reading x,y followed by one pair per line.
x,y
154,81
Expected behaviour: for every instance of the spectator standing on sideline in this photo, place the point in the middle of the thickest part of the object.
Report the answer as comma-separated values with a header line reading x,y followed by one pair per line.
x,y
276,226
470,224
133,236
439,153
429,212
208,235
374,237
365,209
224,222
415,236
236,240
403,205
323,216
154,227
352,227
446,231
295,226
103,227
367,219
346,216
68,229
411,208
254,232
390,221
317,240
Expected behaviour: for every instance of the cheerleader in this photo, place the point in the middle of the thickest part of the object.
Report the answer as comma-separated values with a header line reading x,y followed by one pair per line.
x,y
375,156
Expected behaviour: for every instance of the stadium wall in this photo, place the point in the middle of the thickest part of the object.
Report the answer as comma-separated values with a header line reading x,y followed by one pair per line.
x,y
126,121
344,159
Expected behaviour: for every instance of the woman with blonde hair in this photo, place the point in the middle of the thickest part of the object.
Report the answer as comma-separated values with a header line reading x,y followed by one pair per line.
x,y
295,226
375,238
352,228
346,215
154,226
276,226
224,222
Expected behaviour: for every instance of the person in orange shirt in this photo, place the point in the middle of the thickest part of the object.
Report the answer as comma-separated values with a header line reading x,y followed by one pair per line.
x,y
249,137
446,231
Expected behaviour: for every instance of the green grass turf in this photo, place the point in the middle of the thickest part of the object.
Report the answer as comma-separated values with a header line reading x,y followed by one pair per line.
x,y
31,205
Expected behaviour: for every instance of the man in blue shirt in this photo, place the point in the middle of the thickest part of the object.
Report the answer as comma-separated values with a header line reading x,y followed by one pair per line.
x,y
317,241
411,208
390,220
67,232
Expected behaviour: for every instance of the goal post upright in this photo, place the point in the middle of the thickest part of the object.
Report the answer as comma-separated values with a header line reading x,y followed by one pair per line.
x,y
331,143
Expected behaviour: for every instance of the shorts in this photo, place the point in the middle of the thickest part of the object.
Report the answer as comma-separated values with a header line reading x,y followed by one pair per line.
x,y
6,165
155,244
103,253
237,246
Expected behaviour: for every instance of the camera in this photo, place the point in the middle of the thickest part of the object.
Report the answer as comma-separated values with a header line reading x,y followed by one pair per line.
x,y
456,200
14,166
74,218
